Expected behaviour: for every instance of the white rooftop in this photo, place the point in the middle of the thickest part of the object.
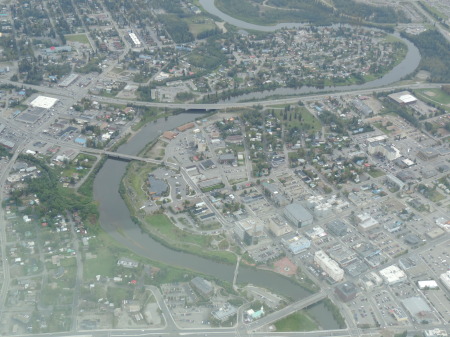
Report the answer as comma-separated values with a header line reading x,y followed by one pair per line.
x,y
43,102
407,98
393,274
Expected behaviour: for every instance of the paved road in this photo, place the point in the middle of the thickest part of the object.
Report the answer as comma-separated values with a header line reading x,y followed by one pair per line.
x,y
5,263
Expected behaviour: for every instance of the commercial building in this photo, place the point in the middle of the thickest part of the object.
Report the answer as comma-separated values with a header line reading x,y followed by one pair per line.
x,y
273,192
68,80
296,244
346,291
366,222
417,306
43,102
248,230
298,215
278,226
329,266
445,279
399,314
428,153
393,275
337,228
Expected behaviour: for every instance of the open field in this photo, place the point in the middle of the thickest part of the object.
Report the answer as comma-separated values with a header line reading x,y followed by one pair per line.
x,y
298,321
433,95
81,38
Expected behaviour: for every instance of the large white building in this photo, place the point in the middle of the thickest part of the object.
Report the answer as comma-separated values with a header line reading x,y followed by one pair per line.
x,y
329,266
135,40
445,279
390,152
393,275
43,102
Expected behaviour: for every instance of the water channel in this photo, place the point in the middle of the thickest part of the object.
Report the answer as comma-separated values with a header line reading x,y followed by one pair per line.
x,y
404,68
115,217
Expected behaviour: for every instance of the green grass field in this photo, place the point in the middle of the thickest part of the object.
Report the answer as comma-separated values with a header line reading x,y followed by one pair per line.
x,y
433,95
298,321
199,24
81,38
105,262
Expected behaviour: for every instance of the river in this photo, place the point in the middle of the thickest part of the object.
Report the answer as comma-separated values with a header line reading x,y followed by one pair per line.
x,y
407,66
115,217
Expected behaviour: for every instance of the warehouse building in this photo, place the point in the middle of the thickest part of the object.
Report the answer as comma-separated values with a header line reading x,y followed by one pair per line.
x,y
329,266
298,215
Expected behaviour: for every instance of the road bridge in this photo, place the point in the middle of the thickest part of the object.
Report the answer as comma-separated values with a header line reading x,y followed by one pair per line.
x,y
286,311
122,156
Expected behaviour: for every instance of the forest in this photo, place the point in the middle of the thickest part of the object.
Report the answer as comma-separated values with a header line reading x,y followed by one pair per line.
x,y
310,11
435,52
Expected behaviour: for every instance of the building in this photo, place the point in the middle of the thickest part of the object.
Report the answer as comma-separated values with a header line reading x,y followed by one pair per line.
x,y
403,97
390,152
436,333
296,244
234,139
43,102
417,307
135,40
329,266
346,291
272,192
393,180
366,222
337,228
393,275
202,286
56,50
225,312
248,230
68,80
298,215
398,314
228,158
278,226
428,284
127,263
445,279
185,127
428,153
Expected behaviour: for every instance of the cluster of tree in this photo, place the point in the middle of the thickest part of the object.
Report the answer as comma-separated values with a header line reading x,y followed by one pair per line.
x,y
208,56
377,14
177,29
435,52
402,111
207,33
54,199
312,11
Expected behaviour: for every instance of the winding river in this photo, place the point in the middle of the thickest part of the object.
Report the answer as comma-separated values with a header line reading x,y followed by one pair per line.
x,y
115,217
407,66
116,221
